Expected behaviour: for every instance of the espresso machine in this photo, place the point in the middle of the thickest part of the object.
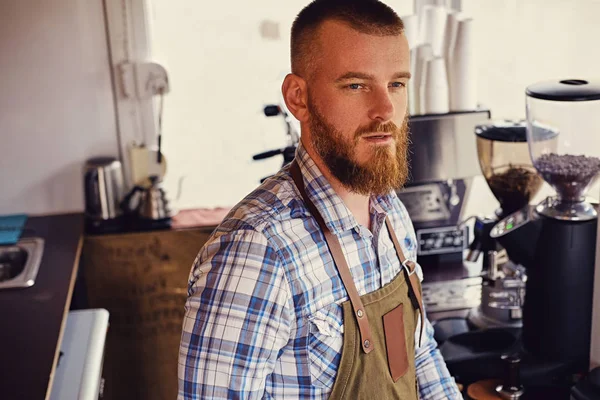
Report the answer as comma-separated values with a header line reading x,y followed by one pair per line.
x,y
554,241
443,162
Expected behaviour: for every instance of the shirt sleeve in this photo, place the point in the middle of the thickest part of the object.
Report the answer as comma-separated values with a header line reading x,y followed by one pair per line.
x,y
433,377
237,318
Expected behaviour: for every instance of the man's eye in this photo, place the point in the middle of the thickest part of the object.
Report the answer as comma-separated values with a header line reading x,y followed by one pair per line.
x,y
354,86
398,84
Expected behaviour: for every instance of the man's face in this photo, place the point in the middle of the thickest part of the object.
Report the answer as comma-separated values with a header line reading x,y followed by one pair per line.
x,y
357,102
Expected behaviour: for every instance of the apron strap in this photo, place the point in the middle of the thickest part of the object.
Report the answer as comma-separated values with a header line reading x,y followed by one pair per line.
x,y
413,279
340,263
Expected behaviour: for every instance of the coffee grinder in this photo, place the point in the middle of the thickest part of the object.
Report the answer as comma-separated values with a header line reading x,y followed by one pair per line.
x,y
556,240
507,168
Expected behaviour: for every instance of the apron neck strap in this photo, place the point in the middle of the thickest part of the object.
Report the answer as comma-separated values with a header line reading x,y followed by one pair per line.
x,y
340,263
344,271
413,279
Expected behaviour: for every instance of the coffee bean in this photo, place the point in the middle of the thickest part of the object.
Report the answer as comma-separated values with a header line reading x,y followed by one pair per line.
x,y
569,174
514,187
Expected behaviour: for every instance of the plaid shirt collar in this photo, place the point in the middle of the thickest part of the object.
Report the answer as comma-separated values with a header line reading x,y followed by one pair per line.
x,y
336,214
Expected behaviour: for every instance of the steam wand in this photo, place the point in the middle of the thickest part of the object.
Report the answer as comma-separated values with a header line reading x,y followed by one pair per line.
x,y
289,151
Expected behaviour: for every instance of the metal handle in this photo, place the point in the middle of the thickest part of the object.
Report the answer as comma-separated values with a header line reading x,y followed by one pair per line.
x,y
496,259
511,389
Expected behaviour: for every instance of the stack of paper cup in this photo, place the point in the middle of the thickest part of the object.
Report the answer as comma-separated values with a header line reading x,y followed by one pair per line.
x,y
463,71
411,30
432,25
439,32
419,4
413,98
450,39
434,88
423,54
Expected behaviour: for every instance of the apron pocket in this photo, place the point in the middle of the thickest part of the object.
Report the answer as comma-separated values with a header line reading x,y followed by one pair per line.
x,y
395,342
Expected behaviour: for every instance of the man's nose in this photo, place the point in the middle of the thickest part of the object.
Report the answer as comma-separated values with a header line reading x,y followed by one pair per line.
x,y
382,107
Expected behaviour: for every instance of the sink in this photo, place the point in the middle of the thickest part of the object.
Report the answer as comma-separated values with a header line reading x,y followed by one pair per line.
x,y
19,263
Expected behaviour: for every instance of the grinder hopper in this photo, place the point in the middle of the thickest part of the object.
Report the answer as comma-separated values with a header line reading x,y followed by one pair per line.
x,y
569,111
506,165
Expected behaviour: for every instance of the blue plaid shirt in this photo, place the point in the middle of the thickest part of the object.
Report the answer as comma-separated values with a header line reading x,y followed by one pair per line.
x,y
263,317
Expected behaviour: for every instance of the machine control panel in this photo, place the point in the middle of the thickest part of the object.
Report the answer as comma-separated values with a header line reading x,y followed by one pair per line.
x,y
512,222
442,240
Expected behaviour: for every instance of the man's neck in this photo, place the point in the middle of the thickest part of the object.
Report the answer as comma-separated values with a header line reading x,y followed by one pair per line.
x,y
358,204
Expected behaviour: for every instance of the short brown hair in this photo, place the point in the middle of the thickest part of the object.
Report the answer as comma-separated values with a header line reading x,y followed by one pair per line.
x,y
366,16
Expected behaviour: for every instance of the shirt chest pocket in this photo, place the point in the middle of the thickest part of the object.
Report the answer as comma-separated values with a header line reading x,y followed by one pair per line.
x,y
324,345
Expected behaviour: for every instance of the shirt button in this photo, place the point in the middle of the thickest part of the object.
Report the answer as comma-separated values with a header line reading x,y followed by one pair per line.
x,y
367,343
360,313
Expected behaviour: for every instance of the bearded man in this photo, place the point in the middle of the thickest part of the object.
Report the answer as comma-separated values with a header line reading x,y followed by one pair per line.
x,y
309,288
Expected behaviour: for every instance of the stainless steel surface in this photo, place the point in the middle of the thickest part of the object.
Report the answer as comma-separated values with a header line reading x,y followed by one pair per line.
x,y
502,294
104,188
479,319
452,295
509,393
435,209
443,146
454,199
19,263
496,258
154,204
425,203
553,207
148,203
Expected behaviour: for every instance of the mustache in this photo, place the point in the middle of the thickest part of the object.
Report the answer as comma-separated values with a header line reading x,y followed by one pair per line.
x,y
378,127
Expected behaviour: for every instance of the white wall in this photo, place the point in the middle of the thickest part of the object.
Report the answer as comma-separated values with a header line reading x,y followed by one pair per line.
x,y
522,42
222,72
56,104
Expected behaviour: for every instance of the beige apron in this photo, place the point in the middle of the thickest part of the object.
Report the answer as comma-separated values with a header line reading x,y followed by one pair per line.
x,y
378,354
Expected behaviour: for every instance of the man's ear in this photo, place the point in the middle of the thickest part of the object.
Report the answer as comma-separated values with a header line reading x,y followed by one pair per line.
x,y
295,94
